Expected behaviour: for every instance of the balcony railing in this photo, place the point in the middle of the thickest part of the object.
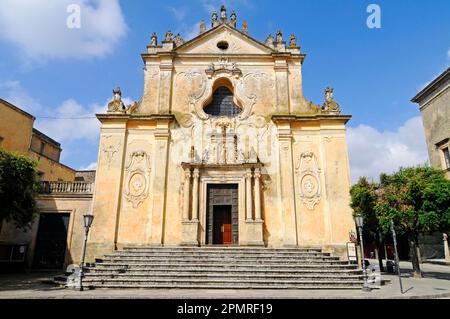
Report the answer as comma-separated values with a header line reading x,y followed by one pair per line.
x,y
67,188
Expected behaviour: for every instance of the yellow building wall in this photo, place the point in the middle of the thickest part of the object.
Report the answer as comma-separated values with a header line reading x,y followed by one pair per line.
x,y
15,129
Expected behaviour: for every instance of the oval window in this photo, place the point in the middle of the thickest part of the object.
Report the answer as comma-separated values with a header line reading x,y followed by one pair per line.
x,y
222,45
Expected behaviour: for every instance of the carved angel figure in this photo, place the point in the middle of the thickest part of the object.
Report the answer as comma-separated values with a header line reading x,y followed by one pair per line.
x,y
202,27
245,27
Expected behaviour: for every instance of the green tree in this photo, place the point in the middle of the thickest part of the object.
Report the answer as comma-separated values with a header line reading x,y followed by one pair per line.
x,y
363,202
19,187
418,201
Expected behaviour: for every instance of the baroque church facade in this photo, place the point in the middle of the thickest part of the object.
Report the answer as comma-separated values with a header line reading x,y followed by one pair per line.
x,y
222,149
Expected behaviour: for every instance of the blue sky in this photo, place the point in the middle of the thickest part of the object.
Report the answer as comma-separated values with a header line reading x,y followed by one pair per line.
x,y
52,71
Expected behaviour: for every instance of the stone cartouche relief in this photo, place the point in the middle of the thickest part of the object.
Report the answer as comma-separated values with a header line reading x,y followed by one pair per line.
x,y
137,178
110,147
308,177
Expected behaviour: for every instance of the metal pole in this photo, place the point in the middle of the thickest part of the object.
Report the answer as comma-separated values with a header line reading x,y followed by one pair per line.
x,y
397,261
83,257
366,285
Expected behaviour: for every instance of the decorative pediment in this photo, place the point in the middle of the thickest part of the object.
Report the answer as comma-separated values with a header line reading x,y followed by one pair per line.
x,y
224,39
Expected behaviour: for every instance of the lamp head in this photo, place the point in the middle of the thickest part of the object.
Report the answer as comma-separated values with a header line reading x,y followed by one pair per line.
x,y
359,221
88,218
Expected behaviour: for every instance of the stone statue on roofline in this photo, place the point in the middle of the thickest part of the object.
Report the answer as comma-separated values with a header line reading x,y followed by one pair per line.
x,y
269,40
245,27
330,105
116,105
202,27
279,37
233,19
223,14
293,41
214,19
169,36
154,40
178,40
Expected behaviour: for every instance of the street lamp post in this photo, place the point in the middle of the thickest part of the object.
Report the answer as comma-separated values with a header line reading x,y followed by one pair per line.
x,y
359,223
88,218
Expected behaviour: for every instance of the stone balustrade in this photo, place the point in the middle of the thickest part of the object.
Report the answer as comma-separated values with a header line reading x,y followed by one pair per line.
x,y
67,188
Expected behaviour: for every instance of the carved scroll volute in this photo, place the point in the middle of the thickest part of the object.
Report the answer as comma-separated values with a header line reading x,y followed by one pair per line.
x,y
196,83
308,177
137,179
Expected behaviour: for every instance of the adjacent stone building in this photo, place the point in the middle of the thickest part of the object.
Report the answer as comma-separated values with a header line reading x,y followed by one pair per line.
x,y
434,103
222,149
54,239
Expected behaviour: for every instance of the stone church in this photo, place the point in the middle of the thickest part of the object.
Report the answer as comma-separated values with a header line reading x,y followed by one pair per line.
x,y
223,148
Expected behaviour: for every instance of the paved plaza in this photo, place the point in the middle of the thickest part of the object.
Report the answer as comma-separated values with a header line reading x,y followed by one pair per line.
x,y
435,284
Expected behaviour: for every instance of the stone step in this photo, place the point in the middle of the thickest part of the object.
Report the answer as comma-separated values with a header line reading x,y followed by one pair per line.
x,y
210,276
203,271
224,282
254,261
222,255
228,286
223,266
221,248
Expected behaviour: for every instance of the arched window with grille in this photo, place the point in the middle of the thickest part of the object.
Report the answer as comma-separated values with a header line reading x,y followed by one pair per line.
x,y
222,103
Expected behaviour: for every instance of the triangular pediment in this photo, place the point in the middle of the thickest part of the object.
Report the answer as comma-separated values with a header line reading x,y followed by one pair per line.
x,y
238,43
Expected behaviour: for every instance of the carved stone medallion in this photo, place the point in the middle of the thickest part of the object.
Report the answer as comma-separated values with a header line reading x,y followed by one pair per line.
x,y
137,179
308,176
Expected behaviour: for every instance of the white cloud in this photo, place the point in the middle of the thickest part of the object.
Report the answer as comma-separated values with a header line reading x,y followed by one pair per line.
x,y
89,167
193,32
179,12
39,28
448,53
373,152
14,93
70,121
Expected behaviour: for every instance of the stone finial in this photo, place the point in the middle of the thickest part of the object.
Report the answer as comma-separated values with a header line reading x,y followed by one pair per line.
x,y
154,40
233,19
169,36
293,41
245,27
214,19
178,40
223,14
279,37
202,27
330,105
116,105
269,40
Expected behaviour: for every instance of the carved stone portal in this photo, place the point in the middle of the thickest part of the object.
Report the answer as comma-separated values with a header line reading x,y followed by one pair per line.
x,y
137,177
308,176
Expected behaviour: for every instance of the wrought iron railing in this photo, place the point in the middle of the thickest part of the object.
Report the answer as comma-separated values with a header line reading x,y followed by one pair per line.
x,y
67,188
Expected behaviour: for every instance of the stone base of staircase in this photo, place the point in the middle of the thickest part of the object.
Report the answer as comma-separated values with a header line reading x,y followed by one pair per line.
x,y
222,268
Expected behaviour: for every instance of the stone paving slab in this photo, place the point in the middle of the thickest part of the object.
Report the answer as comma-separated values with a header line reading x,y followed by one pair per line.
x,y
435,284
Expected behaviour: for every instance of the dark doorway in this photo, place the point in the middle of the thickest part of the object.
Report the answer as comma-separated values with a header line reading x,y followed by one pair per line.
x,y
222,220
222,225
51,241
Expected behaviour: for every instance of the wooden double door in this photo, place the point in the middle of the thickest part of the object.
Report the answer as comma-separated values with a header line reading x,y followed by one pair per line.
x,y
222,220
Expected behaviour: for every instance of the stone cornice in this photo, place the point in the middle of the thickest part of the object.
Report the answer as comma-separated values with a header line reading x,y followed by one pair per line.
x,y
281,118
131,117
